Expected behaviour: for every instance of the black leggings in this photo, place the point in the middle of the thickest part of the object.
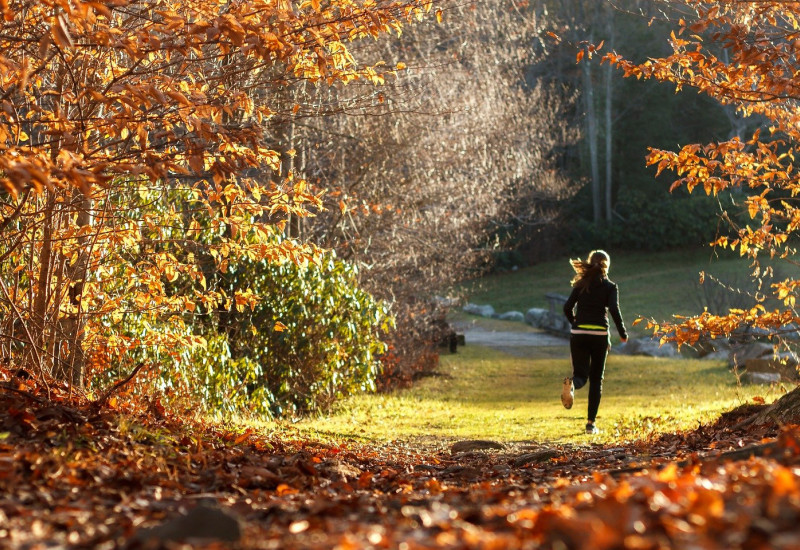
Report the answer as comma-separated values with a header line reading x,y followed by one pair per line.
x,y
589,353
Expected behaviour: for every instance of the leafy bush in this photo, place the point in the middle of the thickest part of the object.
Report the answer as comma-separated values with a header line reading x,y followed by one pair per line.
x,y
311,337
220,328
210,375
314,335
182,367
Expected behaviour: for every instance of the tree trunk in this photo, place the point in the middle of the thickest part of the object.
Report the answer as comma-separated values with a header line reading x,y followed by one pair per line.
x,y
288,171
71,327
591,136
39,330
609,85
785,410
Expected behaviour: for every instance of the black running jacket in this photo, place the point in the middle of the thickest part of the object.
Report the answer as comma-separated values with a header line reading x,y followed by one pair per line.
x,y
593,306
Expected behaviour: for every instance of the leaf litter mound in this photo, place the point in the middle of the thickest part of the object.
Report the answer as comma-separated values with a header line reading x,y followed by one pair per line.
x,y
78,476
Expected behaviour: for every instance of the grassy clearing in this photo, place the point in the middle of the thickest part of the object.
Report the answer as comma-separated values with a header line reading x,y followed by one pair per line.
x,y
486,394
652,285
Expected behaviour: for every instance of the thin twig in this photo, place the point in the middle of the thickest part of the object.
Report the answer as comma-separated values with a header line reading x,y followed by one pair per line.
x,y
100,402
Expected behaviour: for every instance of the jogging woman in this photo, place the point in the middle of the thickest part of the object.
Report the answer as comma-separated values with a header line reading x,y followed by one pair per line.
x,y
593,297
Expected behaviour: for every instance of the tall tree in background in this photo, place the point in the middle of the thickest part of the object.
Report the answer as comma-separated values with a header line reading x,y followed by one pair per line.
x,y
608,81
107,109
581,17
743,54
581,22
619,122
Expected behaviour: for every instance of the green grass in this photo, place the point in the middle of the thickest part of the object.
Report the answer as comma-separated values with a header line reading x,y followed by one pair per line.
x,y
486,394
652,285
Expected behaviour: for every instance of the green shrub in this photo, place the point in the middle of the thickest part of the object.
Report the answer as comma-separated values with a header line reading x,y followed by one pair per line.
x,y
312,337
223,384
228,332
314,334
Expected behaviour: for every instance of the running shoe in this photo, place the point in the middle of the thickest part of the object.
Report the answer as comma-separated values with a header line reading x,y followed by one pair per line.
x,y
567,393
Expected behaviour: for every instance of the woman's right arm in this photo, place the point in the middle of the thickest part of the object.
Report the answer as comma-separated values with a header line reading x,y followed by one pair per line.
x,y
613,309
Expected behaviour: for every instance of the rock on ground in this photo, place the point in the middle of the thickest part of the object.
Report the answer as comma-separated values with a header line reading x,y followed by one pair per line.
x,y
647,347
475,445
483,311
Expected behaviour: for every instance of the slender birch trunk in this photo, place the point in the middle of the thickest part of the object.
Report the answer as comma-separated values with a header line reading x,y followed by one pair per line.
x,y
591,136
609,92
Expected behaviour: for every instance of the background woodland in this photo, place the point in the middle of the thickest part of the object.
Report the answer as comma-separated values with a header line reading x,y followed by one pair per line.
x,y
254,206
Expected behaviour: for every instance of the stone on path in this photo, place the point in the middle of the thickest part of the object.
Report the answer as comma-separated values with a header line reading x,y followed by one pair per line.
x,y
511,316
739,355
475,445
783,365
483,311
536,457
719,355
647,347
762,377
337,470
203,522
536,316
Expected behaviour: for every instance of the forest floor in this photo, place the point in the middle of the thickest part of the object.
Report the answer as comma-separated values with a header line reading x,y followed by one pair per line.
x,y
118,477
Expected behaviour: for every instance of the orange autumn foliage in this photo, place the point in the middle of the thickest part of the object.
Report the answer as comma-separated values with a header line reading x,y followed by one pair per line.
x,y
136,155
744,54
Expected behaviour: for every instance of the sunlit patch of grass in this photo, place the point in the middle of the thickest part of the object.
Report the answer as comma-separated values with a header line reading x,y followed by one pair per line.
x,y
133,430
486,394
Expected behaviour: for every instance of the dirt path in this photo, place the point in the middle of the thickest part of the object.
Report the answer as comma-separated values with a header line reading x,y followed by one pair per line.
x,y
520,343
